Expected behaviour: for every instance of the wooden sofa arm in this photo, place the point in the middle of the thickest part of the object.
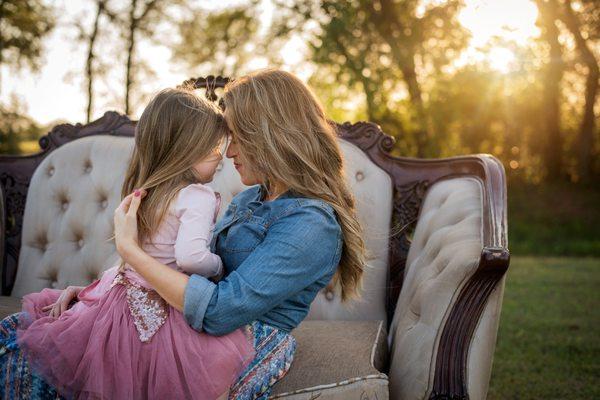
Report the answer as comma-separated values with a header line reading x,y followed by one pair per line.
x,y
2,227
450,377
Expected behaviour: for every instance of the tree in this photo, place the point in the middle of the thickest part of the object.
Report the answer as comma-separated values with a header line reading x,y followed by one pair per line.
x,y
91,38
139,21
586,131
23,25
15,126
219,40
380,44
554,69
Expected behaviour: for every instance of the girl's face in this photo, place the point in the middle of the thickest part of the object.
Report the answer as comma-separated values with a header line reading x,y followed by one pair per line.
x,y
206,168
248,176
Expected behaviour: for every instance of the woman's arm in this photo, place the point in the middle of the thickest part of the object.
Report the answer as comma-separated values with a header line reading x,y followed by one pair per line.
x,y
169,284
300,249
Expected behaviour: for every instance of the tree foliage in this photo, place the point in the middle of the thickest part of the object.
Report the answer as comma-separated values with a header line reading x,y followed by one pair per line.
x,y
23,26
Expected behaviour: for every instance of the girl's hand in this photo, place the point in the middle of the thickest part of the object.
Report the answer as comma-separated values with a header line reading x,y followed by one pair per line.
x,y
63,301
126,229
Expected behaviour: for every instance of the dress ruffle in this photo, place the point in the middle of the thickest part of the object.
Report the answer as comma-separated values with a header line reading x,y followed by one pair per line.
x,y
93,351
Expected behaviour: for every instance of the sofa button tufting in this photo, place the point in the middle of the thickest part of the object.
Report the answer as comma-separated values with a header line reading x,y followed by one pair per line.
x,y
64,205
88,169
329,295
104,203
80,243
50,171
360,176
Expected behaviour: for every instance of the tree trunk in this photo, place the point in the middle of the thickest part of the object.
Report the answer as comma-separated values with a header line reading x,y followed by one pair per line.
x,y
552,151
419,116
89,66
130,50
356,67
403,54
1,41
586,131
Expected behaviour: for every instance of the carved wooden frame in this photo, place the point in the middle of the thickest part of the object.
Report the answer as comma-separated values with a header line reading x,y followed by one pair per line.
x,y
411,178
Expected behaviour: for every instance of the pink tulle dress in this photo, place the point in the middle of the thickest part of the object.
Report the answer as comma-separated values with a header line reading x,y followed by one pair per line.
x,y
121,340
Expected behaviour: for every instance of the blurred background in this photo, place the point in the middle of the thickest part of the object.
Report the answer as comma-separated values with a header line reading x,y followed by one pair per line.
x,y
514,78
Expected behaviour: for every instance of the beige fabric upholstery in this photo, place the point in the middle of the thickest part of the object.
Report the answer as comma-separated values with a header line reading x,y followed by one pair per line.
x,y
337,360
445,251
481,352
372,188
68,214
74,191
9,305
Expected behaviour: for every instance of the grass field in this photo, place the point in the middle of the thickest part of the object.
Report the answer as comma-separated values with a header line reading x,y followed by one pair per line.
x,y
549,338
554,219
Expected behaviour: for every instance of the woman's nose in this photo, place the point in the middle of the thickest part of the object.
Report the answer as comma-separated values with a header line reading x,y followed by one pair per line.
x,y
231,150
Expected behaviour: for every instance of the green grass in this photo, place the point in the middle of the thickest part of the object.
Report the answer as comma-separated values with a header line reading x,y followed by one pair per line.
x,y
549,338
559,219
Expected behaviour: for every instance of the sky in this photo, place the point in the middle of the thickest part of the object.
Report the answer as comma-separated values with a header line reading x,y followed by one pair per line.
x,y
56,92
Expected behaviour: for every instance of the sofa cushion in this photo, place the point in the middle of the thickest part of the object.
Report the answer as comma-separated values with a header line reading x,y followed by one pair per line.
x,y
9,305
337,360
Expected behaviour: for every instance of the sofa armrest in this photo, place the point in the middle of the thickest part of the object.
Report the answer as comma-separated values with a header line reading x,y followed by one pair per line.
x,y
450,377
2,229
453,282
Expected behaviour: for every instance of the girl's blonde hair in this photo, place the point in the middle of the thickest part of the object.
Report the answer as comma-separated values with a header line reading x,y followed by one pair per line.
x,y
284,134
175,131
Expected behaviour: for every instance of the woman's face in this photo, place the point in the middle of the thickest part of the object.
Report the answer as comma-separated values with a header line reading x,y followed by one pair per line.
x,y
206,167
248,176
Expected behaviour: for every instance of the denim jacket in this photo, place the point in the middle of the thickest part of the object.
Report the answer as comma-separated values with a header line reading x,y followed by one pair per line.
x,y
277,255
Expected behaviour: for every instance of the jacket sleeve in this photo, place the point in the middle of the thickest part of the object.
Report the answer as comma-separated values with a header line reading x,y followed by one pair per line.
x,y
299,249
195,208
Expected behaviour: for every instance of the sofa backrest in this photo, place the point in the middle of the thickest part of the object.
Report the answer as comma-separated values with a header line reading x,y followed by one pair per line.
x,y
67,226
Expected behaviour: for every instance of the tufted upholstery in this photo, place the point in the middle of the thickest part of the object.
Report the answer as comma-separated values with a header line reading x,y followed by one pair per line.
x,y
445,252
372,188
74,191
68,224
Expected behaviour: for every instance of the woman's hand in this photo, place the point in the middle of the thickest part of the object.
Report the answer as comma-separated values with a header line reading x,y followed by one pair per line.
x,y
63,301
126,229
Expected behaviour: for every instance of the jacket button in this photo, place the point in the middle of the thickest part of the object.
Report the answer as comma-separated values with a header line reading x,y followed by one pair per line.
x,y
360,176
329,295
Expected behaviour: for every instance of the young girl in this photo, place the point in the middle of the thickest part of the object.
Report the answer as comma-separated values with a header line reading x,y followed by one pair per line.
x,y
121,340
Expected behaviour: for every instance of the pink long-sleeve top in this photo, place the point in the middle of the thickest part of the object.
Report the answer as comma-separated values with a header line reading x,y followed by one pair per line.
x,y
183,238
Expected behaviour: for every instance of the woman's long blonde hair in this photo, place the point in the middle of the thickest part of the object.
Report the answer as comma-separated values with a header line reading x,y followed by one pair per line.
x,y
284,134
175,131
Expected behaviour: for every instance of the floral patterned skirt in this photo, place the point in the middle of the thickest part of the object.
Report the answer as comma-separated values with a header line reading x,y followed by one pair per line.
x,y
274,354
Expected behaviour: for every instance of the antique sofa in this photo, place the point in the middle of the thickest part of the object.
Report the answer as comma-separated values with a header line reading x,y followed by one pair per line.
x,y
435,231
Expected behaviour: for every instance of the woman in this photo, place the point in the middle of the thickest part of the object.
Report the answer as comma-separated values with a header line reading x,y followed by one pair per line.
x,y
281,240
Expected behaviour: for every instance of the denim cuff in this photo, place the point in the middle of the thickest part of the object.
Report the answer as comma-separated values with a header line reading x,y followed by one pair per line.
x,y
198,293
